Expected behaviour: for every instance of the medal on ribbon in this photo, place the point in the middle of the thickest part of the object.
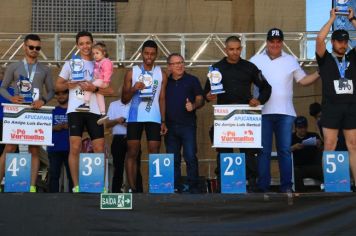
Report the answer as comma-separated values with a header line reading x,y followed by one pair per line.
x,y
146,77
24,83
343,85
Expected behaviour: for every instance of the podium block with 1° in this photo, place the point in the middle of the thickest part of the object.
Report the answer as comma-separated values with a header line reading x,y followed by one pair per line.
x,y
161,173
17,172
233,173
336,170
91,172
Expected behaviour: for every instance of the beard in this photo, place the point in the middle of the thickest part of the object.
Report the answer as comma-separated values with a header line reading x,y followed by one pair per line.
x,y
340,51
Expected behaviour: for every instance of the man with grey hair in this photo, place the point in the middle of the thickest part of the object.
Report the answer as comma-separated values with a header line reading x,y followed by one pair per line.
x,y
185,97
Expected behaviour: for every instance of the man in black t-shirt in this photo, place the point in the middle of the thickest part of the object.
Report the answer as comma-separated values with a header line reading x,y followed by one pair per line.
x,y
238,75
307,150
338,76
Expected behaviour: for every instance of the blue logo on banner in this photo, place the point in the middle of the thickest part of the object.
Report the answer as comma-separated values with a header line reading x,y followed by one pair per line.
x,y
233,173
91,172
17,172
336,170
161,173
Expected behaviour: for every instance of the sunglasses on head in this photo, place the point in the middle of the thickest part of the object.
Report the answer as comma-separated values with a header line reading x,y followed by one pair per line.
x,y
38,48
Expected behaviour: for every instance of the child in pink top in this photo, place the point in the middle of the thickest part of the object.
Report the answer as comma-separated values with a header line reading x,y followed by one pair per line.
x,y
103,69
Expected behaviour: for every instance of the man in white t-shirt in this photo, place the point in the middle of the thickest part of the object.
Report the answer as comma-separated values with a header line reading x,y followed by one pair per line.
x,y
278,113
78,120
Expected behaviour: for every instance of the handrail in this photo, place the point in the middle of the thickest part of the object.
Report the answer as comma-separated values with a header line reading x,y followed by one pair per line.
x,y
199,49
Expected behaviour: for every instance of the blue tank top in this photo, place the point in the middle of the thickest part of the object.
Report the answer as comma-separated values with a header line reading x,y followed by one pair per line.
x,y
146,109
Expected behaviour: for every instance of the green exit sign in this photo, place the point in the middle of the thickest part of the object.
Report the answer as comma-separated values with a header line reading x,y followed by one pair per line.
x,y
119,201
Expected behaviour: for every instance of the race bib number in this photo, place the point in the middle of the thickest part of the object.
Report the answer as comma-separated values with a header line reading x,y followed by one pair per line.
x,y
343,86
79,93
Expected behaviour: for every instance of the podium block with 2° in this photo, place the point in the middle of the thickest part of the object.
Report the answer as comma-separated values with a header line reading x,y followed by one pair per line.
x,y
236,126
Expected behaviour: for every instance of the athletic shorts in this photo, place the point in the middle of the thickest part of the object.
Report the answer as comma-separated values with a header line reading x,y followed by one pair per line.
x,y
153,131
78,120
338,116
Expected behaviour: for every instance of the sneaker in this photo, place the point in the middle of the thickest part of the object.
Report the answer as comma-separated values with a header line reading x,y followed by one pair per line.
x,y
102,119
130,190
33,189
83,107
178,190
75,189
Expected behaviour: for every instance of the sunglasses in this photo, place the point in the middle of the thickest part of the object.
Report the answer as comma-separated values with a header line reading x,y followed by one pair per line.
x,y
62,92
38,48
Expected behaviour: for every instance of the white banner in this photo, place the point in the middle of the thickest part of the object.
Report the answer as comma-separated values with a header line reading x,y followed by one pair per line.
x,y
237,126
24,125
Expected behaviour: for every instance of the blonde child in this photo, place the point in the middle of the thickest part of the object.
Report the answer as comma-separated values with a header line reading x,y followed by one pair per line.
x,y
103,70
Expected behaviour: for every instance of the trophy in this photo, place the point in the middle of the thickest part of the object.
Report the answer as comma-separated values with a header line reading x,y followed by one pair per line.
x,y
25,89
76,66
147,79
215,78
342,7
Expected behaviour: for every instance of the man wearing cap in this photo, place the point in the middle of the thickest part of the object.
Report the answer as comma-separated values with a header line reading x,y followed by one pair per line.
x,y
280,69
338,73
306,148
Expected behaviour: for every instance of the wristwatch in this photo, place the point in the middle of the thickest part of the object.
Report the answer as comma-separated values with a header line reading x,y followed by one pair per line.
x,y
96,90
352,18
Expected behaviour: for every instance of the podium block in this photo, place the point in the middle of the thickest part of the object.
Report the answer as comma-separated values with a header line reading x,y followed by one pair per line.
x,y
233,173
336,169
17,172
91,172
161,173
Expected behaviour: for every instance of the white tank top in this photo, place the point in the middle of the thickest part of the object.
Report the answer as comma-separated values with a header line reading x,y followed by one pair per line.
x,y
146,109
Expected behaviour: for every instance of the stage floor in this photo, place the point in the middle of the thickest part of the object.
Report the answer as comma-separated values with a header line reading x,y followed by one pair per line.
x,y
180,214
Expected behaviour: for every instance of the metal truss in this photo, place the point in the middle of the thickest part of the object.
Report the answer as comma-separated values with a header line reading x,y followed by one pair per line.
x,y
198,49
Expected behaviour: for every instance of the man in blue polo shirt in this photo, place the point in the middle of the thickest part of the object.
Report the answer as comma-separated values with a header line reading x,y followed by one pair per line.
x,y
184,97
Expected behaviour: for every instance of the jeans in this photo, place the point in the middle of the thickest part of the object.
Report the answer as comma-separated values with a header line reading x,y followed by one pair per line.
x,y
179,136
281,126
56,160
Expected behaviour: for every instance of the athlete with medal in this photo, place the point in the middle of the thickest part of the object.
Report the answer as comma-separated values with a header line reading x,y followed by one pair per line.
x,y
338,75
236,76
29,78
77,121
145,87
